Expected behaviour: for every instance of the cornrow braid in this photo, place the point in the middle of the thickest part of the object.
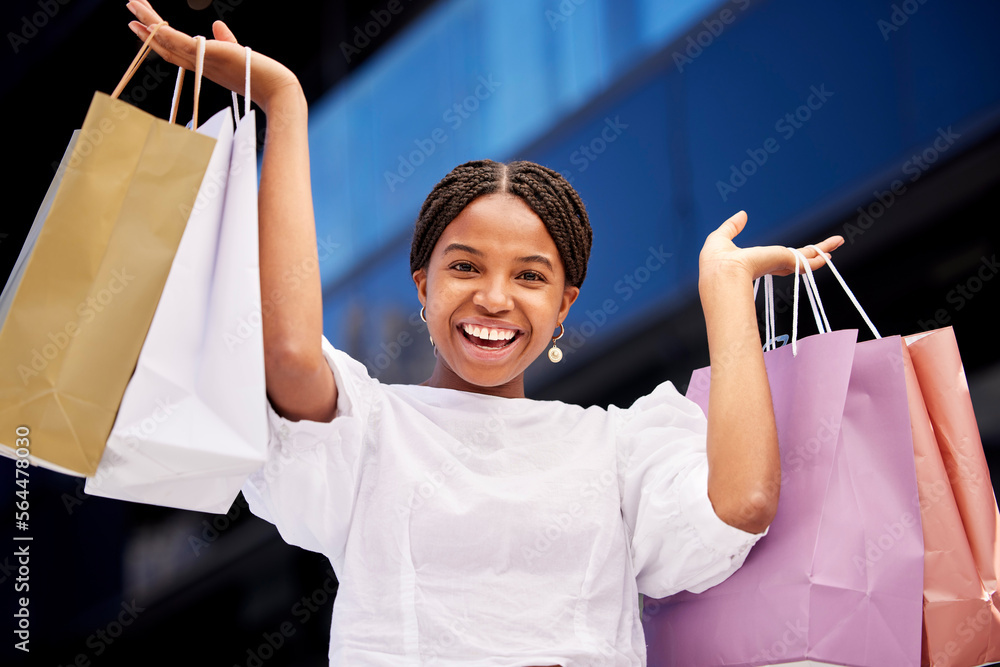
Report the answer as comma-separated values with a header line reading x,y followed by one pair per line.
x,y
548,194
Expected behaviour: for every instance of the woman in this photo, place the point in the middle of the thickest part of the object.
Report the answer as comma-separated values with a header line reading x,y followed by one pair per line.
x,y
468,524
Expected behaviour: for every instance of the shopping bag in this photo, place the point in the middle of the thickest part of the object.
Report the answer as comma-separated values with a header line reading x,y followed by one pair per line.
x,y
192,424
17,272
80,312
838,578
960,517
957,504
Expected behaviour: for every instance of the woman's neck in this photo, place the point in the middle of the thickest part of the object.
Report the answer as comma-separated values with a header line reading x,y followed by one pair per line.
x,y
444,377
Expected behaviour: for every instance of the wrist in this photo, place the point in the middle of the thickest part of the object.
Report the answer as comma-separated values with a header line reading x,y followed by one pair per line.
x,y
726,277
286,98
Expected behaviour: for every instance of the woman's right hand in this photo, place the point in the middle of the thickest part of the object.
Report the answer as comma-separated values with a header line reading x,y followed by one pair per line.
x,y
225,59
300,383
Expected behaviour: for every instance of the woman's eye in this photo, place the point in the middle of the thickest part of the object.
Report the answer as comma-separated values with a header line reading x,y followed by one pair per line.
x,y
465,267
531,276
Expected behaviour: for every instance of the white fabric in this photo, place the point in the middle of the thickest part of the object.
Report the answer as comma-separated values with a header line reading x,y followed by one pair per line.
x,y
468,529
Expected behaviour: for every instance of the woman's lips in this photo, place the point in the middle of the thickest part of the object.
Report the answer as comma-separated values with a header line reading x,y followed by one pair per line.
x,y
491,350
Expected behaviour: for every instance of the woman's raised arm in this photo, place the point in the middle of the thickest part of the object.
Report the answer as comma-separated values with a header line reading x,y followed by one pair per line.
x,y
744,466
300,383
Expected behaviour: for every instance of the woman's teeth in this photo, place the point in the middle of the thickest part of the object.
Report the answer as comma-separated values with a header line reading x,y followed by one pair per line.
x,y
487,333
488,337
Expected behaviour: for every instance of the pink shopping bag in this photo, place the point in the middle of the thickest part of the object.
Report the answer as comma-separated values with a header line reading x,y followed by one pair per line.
x,y
959,511
838,579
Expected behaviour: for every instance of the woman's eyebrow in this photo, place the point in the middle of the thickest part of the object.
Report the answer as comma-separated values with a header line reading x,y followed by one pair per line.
x,y
461,247
541,259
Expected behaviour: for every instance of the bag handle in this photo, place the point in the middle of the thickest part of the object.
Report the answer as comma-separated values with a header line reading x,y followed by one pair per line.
x,y
847,289
198,66
141,56
815,303
819,313
822,325
246,93
174,101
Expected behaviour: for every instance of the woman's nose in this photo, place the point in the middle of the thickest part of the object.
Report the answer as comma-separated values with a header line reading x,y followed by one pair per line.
x,y
493,295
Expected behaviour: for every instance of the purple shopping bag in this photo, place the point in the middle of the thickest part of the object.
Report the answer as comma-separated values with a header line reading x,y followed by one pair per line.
x,y
838,578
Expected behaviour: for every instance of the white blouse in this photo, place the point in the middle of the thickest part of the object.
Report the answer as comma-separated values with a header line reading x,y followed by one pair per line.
x,y
468,529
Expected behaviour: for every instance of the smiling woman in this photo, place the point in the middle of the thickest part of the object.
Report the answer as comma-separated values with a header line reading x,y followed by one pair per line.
x,y
492,279
467,523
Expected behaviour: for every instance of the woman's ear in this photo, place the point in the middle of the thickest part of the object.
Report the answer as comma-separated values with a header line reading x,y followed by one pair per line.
x,y
569,296
420,280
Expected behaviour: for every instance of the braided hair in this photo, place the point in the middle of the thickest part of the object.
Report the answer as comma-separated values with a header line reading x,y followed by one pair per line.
x,y
548,194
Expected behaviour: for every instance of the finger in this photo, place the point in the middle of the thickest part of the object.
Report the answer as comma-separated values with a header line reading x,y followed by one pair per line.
x,y
181,45
734,225
176,48
223,33
827,246
774,259
143,11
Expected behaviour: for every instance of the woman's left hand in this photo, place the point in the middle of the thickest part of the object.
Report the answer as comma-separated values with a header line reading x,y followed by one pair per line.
x,y
721,257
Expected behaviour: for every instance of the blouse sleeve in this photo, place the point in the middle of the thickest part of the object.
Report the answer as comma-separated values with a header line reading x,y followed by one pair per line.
x,y
678,541
308,482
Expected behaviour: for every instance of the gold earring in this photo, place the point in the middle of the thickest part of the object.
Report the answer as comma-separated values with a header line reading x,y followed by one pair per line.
x,y
555,354
425,321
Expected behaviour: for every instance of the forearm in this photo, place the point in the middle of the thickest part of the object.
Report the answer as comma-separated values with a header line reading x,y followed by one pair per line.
x,y
743,458
298,377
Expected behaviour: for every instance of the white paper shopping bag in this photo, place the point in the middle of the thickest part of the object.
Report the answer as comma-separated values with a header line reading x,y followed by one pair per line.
x,y
192,424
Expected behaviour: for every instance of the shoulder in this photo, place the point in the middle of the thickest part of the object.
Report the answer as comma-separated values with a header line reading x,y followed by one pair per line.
x,y
664,405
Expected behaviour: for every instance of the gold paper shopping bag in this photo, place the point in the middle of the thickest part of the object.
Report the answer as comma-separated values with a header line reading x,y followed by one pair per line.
x,y
79,316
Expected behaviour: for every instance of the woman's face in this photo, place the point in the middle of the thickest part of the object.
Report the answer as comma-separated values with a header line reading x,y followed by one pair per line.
x,y
495,273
